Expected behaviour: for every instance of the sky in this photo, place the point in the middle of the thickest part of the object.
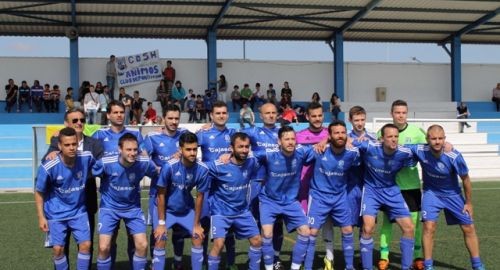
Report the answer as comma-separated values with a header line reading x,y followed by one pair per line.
x,y
253,50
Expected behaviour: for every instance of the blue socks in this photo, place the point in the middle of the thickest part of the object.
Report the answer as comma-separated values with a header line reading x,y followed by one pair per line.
x,y
60,263
254,254
429,263
158,258
299,250
104,264
348,248
83,261
311,249
139,263
196,258
406,245
476,262
366,247
268,250
213,262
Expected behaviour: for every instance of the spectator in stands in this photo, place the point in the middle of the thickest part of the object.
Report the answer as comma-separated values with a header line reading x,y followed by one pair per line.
x,y
236,97
24,96
90,105
496,96
161,95
84,89
137,107
463,113
316,98
286,92
127,102
246,94
257,97
99,88
111,76
37,95
246,116
300,111
178,94
208,102
200,109
11,95
335,106
150,115
283,103
288,115
55,96
222,88
191,108
169,75
213,94
271,95
68,99
104,99
47,101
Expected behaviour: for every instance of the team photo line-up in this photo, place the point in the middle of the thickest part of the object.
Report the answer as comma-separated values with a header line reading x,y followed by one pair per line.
x,y
249,184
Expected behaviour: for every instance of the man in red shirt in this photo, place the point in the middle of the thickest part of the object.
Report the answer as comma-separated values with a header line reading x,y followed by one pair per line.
x,y
169,75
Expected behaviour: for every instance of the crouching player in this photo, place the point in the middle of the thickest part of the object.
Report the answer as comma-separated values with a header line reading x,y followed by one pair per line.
x,y
177,179
60,200
121,199
442,192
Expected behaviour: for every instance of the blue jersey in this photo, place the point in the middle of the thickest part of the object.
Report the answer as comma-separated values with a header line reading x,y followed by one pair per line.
x,y
380,168
283,173
179,181
229,187
120,188
63,188
356,173
331,170
262,139
109,139
440,175
214,142
161,148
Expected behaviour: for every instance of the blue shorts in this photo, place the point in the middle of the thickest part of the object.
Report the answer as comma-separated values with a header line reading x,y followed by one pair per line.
x,y
58,229
185,221
452,205
244,226
323,205
389,198
292,213
354,200
109,220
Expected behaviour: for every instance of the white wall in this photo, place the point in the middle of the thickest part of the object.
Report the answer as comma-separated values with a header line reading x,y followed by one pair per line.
x,y
414,82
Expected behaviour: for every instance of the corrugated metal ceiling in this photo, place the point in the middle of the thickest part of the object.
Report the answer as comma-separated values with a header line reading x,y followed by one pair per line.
x,y
385,20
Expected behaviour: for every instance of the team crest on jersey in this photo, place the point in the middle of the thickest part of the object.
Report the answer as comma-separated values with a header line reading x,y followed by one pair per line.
x,y
227,138
294,163
177,144
341,164
189,176
131,177
390,162
440,166
79,175
245,173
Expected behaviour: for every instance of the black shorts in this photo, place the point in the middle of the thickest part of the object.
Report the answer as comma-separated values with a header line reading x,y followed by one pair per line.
x,y
413,198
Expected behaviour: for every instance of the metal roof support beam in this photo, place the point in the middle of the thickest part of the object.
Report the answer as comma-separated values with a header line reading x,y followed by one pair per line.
x,y
456,69
74,61
338,65
446,49
484,19
212,59
221,14
359,15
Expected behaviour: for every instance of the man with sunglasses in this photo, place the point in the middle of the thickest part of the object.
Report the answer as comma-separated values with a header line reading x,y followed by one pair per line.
x,y
75,118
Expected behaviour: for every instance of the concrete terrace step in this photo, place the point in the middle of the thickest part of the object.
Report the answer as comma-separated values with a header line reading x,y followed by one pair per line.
x,y
477,148
490,173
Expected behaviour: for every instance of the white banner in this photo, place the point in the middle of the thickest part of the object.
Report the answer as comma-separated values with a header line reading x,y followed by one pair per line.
x,y
138,68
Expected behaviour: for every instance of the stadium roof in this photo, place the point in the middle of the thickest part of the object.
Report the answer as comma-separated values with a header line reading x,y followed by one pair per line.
x,y
434,21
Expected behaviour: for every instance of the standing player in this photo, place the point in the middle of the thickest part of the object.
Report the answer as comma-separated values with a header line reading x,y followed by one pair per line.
x,y
279,195
229,206
214,142
177,179
383,160
409,183
162,147
121,199
328,193
442,192
60,200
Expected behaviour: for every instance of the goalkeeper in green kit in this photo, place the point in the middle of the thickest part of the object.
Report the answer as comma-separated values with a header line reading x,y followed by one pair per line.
x,y
409,182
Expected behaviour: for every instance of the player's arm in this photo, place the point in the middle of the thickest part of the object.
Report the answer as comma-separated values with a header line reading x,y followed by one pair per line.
x,y
160,230
42,221
467,193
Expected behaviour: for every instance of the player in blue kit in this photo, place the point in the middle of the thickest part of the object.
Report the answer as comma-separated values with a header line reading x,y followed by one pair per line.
x,y
229,205
328,192
177,179
60,200
214,142
162,146
382,162
442,192
121,199
278,196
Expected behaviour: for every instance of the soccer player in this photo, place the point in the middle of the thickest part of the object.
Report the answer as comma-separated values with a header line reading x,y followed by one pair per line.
x,y
442,192
163,146
121,199
60,200
409,182
229,206
383,160
214,142
278,196
177,179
